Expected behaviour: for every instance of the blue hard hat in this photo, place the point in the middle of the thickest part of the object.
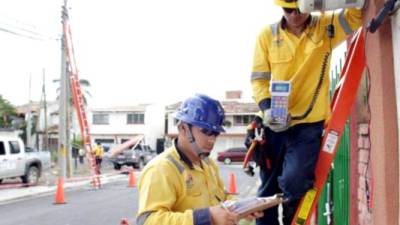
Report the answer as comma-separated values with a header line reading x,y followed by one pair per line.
x,y
202,111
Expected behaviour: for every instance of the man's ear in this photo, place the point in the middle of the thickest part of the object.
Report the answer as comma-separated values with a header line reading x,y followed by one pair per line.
x,y
180,126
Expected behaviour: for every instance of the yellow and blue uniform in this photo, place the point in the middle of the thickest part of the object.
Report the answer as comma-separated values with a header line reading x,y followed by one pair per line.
x,y
280,55
174,191
283,56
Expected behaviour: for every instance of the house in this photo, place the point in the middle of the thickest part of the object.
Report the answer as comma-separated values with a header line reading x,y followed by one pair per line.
x,y
9,132
115,125
238,114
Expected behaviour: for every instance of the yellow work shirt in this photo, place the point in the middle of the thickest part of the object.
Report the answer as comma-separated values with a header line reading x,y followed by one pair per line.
x,y
170,190
99,152
281,55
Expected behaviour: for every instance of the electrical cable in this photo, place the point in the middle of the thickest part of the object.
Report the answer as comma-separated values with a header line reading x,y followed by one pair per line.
x,y
324,65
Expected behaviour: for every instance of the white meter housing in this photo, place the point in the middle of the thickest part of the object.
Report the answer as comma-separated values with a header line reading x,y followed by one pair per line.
x,y
326,5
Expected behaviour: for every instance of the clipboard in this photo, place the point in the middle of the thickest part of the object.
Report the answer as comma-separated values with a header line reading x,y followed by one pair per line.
x,y
246,206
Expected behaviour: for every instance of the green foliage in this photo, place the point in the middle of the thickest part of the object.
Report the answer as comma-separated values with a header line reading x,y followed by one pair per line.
x,y
77,142
84,85
54,156
6,111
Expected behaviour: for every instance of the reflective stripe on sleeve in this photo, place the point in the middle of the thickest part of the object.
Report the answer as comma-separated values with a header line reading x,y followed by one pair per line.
x,y
140,220
275,29
178,166
343,23
260,75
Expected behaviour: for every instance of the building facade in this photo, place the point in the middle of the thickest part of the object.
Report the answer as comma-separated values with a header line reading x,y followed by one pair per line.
x,y
115,125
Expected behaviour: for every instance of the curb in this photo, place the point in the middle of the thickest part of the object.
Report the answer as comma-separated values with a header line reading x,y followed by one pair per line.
x,y
15,194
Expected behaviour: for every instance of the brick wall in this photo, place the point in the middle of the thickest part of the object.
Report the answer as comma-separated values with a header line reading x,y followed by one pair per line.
x,y
364,181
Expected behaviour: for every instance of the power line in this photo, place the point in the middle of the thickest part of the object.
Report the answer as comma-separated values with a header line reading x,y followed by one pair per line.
x,y
25,30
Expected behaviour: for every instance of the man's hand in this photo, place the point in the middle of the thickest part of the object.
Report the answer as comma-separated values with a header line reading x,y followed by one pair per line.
x,y
221,216
268,122
257,123
254,216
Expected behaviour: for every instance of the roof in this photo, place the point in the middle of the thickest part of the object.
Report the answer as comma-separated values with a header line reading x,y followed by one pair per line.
x,y
230,107
137,108
233,107
33,106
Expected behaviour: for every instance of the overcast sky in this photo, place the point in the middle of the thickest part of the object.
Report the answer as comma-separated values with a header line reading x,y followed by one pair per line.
x,y
133,51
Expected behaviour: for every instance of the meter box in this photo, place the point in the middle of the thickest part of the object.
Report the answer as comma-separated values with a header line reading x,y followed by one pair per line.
x,y
326,5
280,91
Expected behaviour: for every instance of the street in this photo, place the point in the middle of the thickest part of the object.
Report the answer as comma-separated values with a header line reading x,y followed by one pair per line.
x,y
92,207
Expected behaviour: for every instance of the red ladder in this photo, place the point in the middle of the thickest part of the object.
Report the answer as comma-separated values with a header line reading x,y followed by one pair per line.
x,y
77,97
341,104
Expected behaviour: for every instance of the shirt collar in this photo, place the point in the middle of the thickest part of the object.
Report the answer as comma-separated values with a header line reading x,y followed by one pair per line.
x,y
283,22
182,155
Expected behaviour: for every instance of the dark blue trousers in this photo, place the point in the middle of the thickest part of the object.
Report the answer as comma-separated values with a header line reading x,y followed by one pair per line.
x,y
293,156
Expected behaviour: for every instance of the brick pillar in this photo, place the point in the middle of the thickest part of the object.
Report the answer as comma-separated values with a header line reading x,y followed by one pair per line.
x,y
384,127
364,178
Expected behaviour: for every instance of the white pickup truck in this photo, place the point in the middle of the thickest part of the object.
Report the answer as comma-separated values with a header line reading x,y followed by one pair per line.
x,y
16,160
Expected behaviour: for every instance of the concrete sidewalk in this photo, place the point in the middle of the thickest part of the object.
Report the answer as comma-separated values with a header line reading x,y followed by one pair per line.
x,y
13,194
48,186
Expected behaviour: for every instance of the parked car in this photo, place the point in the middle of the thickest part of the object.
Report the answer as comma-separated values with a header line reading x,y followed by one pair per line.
x,y
137,156
16,160
235,154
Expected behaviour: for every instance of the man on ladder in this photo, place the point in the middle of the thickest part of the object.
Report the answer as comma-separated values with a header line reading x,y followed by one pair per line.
x,y
290,82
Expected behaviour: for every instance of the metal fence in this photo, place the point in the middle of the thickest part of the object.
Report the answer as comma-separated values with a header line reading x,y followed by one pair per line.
x,y
334,203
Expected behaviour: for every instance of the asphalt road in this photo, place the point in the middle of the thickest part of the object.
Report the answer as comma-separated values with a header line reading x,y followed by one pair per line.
x,y
93,207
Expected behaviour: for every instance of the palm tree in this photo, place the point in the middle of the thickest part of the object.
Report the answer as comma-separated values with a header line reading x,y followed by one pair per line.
x,y
84,85
7,110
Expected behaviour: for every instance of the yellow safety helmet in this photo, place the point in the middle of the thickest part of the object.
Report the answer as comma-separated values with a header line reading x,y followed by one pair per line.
x,y
286,4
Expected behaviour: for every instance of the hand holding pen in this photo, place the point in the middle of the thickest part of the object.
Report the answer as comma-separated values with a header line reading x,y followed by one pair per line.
x,y
220,215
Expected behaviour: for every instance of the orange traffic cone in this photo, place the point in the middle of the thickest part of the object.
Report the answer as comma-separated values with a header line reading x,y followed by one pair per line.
x,y
60,192
232,184
124,221
131,178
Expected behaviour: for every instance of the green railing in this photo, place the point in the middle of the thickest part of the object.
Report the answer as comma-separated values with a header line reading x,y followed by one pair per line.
x,y
334,202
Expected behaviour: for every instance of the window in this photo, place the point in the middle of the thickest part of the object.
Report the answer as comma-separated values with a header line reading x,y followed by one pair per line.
x,y
135,118
104,140
243,120
14,147
29,149
123,140
2,149
138,147
100,119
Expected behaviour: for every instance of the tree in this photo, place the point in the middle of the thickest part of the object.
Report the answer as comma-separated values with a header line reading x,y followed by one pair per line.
x,y
7,111
84,85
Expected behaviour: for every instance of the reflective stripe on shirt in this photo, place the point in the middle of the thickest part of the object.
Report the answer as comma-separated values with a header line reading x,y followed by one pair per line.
x,y
142,218
260,76
344,24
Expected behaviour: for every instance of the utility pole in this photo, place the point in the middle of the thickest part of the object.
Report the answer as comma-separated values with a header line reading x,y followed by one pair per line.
x,y
28,116
68,126
46,134
63,144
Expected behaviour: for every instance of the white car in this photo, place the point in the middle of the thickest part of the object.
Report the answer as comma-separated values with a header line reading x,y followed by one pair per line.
x,y
16,160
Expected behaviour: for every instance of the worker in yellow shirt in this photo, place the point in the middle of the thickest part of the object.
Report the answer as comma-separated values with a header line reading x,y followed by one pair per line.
x,y
182,186
290,83
98,153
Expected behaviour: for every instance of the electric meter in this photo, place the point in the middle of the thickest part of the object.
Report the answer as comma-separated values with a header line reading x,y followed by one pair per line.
x,y
326,5
280,91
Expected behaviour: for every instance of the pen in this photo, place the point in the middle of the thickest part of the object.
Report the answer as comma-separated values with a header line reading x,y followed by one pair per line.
x,y
224,207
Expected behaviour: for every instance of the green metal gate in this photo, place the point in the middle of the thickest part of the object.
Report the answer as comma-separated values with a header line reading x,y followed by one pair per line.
x,y
334,204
